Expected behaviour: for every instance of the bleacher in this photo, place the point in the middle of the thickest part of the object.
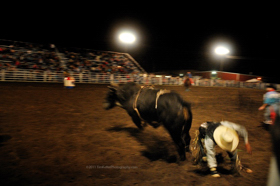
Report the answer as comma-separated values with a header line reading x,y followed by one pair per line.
x,y
77,60
27,56
16,55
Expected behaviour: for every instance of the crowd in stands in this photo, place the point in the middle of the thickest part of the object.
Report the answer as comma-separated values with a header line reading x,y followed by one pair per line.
x,y
99,62
29,56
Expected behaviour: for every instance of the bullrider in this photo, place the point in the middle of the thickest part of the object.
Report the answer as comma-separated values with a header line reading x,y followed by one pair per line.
x,y
225,135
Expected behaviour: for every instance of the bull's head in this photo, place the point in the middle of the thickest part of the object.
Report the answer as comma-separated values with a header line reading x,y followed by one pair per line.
x,y
111,99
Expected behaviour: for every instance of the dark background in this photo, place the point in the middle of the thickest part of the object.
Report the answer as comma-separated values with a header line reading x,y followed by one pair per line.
x,y
170,36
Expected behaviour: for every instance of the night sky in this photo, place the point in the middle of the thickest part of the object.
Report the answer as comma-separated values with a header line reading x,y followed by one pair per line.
x,y
169,36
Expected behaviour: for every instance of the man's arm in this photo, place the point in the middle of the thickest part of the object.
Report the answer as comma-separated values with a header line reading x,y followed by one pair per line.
x,y
241,130
263,106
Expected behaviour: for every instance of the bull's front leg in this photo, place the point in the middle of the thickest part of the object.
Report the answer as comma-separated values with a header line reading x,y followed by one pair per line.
x,y
137,122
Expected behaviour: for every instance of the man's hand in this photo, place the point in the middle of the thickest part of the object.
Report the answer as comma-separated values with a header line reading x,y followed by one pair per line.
x,y
263,107
248,148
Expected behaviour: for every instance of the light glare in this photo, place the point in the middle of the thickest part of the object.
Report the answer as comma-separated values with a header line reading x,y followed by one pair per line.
x,y
221,50
127,37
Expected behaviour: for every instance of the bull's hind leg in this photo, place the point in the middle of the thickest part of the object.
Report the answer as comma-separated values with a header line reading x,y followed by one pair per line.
x,y
175,134
187,140
186,128
186,137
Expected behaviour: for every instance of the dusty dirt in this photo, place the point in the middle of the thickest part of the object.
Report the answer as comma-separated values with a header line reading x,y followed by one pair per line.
x,y
55,136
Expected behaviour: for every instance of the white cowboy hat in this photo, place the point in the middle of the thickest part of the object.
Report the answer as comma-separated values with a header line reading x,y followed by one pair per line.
x,y
226,138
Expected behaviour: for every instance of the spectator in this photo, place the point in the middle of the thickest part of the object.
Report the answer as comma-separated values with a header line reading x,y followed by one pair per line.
x,y
23,55
270,99
189,74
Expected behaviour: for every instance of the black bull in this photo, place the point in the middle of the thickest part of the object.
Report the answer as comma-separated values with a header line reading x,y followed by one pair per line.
x,y
155,106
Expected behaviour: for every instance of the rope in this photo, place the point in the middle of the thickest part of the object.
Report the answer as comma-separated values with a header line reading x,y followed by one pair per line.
x,y
135,103
159,93
195,149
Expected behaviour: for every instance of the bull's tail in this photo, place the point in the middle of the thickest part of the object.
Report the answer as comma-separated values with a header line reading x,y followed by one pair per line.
x,y
187,111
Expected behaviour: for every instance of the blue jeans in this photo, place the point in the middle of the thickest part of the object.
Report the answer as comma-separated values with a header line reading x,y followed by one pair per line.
x,y
211,154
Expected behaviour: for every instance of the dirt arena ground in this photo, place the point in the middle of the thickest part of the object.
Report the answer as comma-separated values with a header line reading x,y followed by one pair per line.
x,y
55,136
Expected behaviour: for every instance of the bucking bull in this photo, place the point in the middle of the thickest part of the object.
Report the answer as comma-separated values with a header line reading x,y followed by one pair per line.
x,y
155,107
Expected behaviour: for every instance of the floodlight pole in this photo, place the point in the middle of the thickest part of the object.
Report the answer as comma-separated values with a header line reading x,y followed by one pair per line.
x,y
126,48
222,63
222,51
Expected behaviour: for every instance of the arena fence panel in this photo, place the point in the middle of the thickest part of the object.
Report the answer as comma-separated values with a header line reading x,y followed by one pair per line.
x,y
106,78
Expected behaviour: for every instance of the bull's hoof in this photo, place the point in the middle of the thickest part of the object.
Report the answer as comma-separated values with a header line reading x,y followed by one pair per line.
x,y
144,124
155,124
182,157
140,128
188,149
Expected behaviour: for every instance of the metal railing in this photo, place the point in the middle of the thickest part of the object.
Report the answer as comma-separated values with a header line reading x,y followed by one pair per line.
x,y
106,78
84,77
229,83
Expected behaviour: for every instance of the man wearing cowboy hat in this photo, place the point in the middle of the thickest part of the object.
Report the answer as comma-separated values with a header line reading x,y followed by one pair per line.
x,y
225,135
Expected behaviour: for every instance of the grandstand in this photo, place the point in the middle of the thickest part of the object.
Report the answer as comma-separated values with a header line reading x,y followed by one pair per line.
x,y
30,62
17,55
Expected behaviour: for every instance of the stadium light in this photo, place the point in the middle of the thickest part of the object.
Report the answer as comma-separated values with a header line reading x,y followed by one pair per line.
x,y
127,37
221,51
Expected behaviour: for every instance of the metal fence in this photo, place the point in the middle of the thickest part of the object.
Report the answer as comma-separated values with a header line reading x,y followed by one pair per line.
x,y
229,83
91,77
85,77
